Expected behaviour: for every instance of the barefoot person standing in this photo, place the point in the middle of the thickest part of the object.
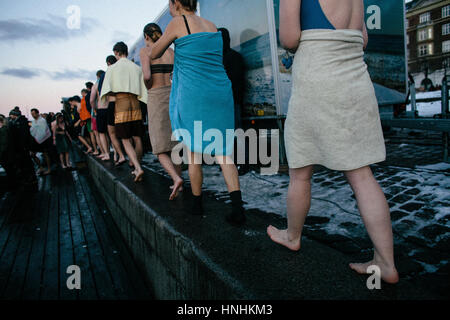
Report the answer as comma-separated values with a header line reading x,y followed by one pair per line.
x,y
157,74
124,80
333,119
201,92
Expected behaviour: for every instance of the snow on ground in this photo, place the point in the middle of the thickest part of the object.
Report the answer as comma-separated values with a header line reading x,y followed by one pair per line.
x,y
333,199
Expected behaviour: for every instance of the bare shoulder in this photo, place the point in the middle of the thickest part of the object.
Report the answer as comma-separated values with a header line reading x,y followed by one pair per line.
x,y
210,26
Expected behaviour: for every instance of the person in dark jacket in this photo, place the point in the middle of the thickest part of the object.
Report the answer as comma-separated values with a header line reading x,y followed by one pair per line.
x,y
6,159
19,143
235,68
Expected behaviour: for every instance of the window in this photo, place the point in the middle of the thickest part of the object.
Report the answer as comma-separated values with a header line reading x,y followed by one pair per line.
x,y
406,23
425,34
425,17
425,49
446,29
446,46
446,11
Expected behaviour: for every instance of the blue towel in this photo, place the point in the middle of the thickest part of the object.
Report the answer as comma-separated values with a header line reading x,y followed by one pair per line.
x,y
201,91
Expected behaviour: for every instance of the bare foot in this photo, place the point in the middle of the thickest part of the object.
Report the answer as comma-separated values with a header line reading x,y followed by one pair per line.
x,y
177,188
105,157
89,151
388,273
63,166
139,176
46,173
281,237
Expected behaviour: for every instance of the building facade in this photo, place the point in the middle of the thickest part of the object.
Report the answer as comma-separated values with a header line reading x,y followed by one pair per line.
x,y
428,41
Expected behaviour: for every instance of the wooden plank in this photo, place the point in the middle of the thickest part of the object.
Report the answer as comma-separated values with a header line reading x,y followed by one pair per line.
x,y
8,256
103,280
66,251
32,285
88,286
50,285
5,228
16,280
121,265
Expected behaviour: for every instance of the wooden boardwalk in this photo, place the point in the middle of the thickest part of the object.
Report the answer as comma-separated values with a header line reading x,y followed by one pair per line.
x,y
63,224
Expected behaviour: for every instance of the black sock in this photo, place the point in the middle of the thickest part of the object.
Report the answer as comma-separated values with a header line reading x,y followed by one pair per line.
x,y
197,207
237,215
236,199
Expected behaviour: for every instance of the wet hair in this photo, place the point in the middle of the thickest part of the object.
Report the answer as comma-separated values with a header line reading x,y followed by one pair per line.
x,y
34,110
89,85
153,31
111,60
100,73
190,5
121,48
76,99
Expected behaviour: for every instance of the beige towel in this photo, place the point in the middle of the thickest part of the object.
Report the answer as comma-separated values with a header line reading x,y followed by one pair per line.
x,y
126,77
159,125
333,118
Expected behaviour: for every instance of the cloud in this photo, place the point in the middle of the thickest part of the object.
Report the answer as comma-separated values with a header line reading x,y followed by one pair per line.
x,y
53,28
66,74
126,37
69,74
23,73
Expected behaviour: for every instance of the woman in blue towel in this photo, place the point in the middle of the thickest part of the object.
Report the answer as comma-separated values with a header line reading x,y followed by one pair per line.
x,y
201,99
333,119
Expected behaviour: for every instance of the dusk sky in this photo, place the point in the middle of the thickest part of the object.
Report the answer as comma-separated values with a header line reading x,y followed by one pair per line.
x,y
42,60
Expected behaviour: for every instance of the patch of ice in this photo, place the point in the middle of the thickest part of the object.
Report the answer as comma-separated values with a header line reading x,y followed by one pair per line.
x,y
443,166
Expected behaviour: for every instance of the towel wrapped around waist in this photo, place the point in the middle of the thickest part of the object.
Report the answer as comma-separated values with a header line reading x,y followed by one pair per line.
x,y
159,126
333,118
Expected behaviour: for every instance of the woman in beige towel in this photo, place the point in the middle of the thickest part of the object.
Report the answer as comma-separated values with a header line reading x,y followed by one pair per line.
x,y
157,74
333,119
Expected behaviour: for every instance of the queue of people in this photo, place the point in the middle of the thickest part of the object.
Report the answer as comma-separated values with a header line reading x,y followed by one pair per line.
x,y
192,84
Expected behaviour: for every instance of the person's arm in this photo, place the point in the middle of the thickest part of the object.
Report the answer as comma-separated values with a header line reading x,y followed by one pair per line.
x,y
365,36
169,36
68,136
93,99
146,63
290,29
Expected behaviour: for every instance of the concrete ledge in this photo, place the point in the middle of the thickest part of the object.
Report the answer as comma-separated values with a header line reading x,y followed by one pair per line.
x,y
188,257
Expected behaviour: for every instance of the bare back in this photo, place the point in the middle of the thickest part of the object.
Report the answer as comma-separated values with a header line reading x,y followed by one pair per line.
x,y
162,79
196,25
344,14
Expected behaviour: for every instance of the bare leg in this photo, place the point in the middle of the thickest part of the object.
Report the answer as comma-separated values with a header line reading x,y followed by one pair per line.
x,y
94,143
37,161
230,173
47,161
138,172
168,165
298,205
116,143
85,143
374,210
138,147
68,162
196,174
105,156
61,158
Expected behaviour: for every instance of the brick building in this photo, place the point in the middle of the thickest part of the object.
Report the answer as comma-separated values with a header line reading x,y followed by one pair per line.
x,y
428,40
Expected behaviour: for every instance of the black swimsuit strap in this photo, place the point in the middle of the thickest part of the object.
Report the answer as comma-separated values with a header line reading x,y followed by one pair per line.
x,y
187,25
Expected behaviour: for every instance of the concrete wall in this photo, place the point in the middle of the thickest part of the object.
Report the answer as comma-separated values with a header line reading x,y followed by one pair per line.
x,y
172,266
